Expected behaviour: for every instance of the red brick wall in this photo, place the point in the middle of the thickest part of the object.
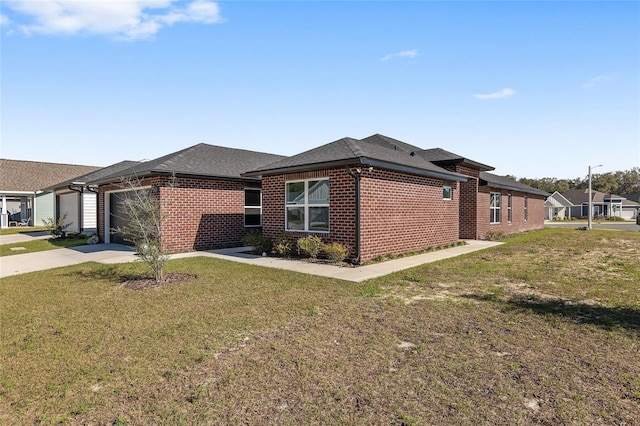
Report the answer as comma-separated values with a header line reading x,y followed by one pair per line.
x,y
341,210
468,202
518,224
399,212
198,214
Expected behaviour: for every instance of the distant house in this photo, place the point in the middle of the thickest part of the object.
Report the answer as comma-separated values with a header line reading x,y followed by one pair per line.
x,y
21,189
205,201
78,200
382,196
557,206
603,204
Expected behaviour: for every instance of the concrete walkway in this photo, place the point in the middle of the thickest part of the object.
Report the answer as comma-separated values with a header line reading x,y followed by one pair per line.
x,y
116,253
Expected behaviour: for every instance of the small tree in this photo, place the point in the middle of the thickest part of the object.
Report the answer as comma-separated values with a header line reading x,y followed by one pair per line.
x,y
143,225
57,228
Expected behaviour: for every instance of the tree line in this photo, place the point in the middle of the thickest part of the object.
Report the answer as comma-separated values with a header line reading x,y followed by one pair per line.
x,y
619,183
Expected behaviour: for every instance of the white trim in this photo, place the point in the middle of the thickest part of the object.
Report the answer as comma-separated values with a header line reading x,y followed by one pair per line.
x,y
305,206
450,193
493,208
252,207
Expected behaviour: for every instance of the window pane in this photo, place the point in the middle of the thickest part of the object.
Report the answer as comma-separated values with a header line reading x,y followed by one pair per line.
x,y
252,197
295,218
318,218
446,192
252,216
318,192
295,192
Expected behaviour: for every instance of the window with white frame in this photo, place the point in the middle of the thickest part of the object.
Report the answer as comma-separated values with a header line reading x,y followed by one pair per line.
x,y
494,207
509,216
252,207
446,192
307,205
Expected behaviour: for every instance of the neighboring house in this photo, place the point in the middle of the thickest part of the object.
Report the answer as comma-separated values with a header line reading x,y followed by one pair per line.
x,y
557,206
78,200
21,194
633,197
205,201
382,196
603,204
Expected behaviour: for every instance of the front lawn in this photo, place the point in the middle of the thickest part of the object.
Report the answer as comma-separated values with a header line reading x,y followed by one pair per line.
x,y
40,245
21,230
544,329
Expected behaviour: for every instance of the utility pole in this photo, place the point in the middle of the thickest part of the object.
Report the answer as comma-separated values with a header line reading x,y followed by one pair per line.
x,y
590,198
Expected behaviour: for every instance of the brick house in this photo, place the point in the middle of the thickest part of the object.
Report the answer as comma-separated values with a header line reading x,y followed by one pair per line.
x,y
205,202
377,196
381,196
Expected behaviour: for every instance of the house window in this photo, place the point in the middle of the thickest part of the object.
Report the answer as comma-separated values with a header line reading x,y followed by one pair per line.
x,y
446,192
526,208
509,217
494,208
252,207
307,205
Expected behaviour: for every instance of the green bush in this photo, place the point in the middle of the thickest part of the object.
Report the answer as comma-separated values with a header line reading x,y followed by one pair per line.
x,y
311,245
259,242
283,246
335,252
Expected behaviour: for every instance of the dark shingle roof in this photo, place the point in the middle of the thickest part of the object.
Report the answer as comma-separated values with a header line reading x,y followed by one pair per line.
x,y
635,196
495,181
442,157
376,150
201,160
32,176
97,175
581,196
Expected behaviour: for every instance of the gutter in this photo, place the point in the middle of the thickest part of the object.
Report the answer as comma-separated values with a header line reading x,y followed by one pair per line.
x,y
80,206
356,177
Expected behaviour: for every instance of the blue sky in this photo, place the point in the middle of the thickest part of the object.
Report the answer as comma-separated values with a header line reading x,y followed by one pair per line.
x,y
535,89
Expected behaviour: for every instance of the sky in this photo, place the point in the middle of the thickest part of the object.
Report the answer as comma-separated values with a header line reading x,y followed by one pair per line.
x,y
534,89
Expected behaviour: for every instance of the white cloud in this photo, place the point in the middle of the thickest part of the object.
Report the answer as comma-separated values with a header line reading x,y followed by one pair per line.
x,y
402,54
3,19
127,19
504,93
595,81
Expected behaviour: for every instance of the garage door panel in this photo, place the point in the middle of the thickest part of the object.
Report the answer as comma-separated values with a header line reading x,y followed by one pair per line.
x,y
68,203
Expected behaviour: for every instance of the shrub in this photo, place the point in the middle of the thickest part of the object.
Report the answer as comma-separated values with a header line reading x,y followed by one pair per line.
x,y
283,246
57,229
260,243
493,236
335,252
311,245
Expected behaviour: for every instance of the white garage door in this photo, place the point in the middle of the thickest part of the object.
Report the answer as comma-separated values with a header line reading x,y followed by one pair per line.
x,y
69,203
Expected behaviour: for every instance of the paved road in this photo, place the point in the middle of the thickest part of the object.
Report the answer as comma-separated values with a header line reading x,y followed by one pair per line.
x,y
620,226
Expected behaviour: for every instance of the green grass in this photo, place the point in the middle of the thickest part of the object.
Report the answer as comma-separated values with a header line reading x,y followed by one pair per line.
x,y
40,245
544,329
21,230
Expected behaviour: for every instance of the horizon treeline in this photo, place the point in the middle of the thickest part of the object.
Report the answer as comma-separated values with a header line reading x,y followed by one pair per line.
x,y
619,183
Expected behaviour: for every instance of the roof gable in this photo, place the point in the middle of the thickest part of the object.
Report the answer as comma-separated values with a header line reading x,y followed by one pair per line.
x,y
558,200
376,150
